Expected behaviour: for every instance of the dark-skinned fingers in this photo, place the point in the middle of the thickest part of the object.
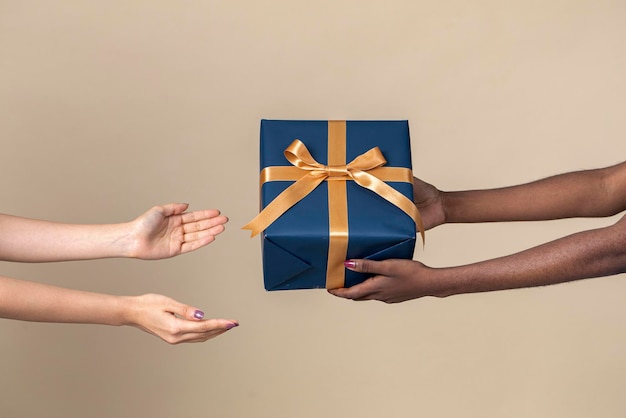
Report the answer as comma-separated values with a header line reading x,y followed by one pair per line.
x,y
361,291
345,293
368,266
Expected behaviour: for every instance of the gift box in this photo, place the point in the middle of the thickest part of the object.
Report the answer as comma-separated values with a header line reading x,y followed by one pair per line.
x,y
333,191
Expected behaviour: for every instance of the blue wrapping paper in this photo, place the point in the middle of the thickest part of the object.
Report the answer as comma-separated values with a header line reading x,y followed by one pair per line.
x,y
295,246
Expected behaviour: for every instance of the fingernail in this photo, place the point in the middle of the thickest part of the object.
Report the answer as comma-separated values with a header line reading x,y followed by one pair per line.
x,y
198,314
232,325
349,264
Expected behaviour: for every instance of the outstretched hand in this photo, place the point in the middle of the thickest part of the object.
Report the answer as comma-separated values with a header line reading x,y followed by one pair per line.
x,y
167,231
393,281
174,322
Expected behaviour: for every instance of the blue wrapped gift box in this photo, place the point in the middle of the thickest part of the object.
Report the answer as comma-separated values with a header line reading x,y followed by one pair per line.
x,y
308,239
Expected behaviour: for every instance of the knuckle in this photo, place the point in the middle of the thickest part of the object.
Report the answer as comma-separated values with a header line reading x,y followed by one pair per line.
x,y
366,266
188,312
174,330
171,339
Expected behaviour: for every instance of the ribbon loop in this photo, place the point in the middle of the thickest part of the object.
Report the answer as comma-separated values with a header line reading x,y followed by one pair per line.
x,y
298,155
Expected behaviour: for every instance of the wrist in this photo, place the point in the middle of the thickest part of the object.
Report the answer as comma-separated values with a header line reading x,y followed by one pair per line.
x,y
127,240
443,198
128,311
450,203
449,281
442,286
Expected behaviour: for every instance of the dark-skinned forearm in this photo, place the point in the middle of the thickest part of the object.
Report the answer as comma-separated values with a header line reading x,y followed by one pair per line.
x,y
591,193
594,253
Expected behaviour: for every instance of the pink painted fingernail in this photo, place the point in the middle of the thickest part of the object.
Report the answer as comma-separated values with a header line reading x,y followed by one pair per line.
x,y
349,264
232,325
198,314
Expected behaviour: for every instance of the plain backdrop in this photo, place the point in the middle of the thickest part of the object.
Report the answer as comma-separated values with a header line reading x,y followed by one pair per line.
x,y
110,107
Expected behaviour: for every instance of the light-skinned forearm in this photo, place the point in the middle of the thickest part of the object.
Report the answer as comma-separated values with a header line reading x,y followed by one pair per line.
x,y
30,301
591,193
31,240
594,253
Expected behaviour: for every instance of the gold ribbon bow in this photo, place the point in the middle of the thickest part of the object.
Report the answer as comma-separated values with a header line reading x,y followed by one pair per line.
x,y
366,170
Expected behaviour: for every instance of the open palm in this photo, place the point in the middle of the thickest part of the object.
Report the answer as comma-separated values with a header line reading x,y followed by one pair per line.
x,y
166,231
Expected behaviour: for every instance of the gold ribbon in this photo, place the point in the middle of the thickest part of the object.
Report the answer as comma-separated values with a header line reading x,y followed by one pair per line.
x,y
366,170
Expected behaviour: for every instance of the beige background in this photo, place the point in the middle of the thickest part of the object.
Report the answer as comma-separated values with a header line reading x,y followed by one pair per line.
x,y
110,107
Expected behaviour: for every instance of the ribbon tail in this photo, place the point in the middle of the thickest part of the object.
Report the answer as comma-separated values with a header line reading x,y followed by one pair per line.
x,y
390,194
285,200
